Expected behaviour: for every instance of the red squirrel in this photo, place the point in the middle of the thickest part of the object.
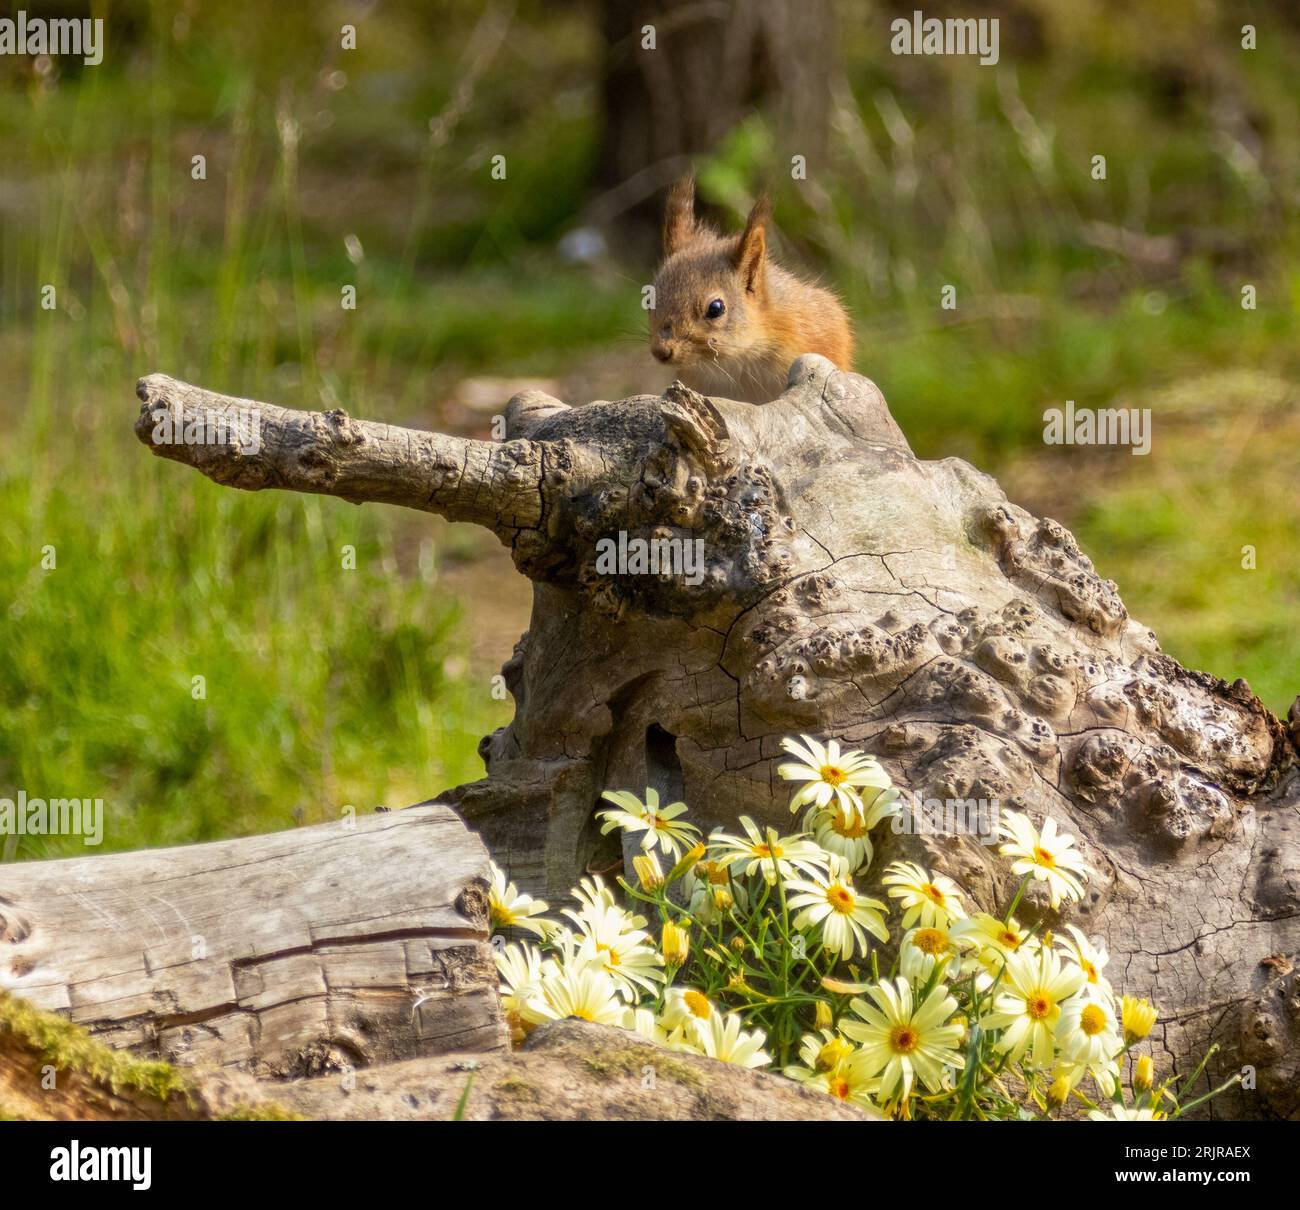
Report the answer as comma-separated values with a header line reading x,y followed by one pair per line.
x,y
729,320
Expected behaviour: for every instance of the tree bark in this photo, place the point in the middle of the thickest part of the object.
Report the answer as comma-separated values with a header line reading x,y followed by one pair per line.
x,y
852,590
567,1071
294,953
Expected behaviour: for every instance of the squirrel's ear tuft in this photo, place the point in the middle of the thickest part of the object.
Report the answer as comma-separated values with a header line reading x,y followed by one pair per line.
x,y
679,214
751,250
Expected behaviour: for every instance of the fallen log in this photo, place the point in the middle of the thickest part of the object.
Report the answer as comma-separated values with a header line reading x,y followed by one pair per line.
x,y
848,589
334,946
567,1071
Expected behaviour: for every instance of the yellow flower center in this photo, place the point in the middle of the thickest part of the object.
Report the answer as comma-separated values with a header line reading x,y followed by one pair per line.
x,y
850,831
715,873
1039,1005
904,1039
1089,970
1009,939
931,941
1092,1020
833,775
839,1088
930,891
1043,857
583,1014
698,1003
840,898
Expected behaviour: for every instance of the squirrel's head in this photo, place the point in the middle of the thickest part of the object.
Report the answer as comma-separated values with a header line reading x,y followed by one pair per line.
x,y
710,289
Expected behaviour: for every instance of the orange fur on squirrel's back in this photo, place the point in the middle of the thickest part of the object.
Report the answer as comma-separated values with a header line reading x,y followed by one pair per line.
x,y
803,318
727,318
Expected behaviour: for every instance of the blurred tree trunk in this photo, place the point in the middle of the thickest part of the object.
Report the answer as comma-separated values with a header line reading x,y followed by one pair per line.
x,y
675,93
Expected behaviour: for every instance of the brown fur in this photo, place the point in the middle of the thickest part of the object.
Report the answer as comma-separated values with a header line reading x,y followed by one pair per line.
x,y
770,316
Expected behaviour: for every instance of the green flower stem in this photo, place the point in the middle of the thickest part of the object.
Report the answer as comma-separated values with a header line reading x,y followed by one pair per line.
x,y
1015,903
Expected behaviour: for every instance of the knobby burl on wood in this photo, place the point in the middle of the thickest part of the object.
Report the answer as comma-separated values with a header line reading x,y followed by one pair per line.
x,y
851,590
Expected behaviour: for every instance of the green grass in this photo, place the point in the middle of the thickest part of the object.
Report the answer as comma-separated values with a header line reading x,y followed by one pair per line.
x,y
327,686
1203,541
321,686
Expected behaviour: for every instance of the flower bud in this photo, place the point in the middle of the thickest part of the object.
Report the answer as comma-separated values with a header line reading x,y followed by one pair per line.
x,y
824,1020
676,944
1144,1074
688,862
1138,1016
648,871
833,1053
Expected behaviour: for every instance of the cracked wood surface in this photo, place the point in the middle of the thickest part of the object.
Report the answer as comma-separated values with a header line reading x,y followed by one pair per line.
x,y
855,591
353,942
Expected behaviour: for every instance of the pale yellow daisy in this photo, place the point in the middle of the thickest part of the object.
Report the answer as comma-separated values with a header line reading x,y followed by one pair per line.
x,y
921,949
821,1052
684,1006
1029,1008
520,967
988,943
1120,1113
766,853
585,992
1091,959
930,900
905,1041
1087,1031
984,932
845,916
613,939
1047,856
659,825
722,1038
511,908
1105,1075
643,1022
846,779
853,1081
591,892
849,836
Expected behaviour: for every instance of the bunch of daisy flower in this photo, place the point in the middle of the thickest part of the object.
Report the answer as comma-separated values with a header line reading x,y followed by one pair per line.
x,y
759,949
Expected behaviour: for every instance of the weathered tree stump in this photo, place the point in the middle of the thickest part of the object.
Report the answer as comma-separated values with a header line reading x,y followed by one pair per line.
x,y
295,953
848,590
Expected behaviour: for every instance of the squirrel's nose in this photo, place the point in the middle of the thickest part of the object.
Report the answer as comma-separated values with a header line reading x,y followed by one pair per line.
x,y
662,350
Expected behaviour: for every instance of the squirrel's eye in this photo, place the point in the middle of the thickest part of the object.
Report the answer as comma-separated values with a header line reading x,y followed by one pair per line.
x,y
715,309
